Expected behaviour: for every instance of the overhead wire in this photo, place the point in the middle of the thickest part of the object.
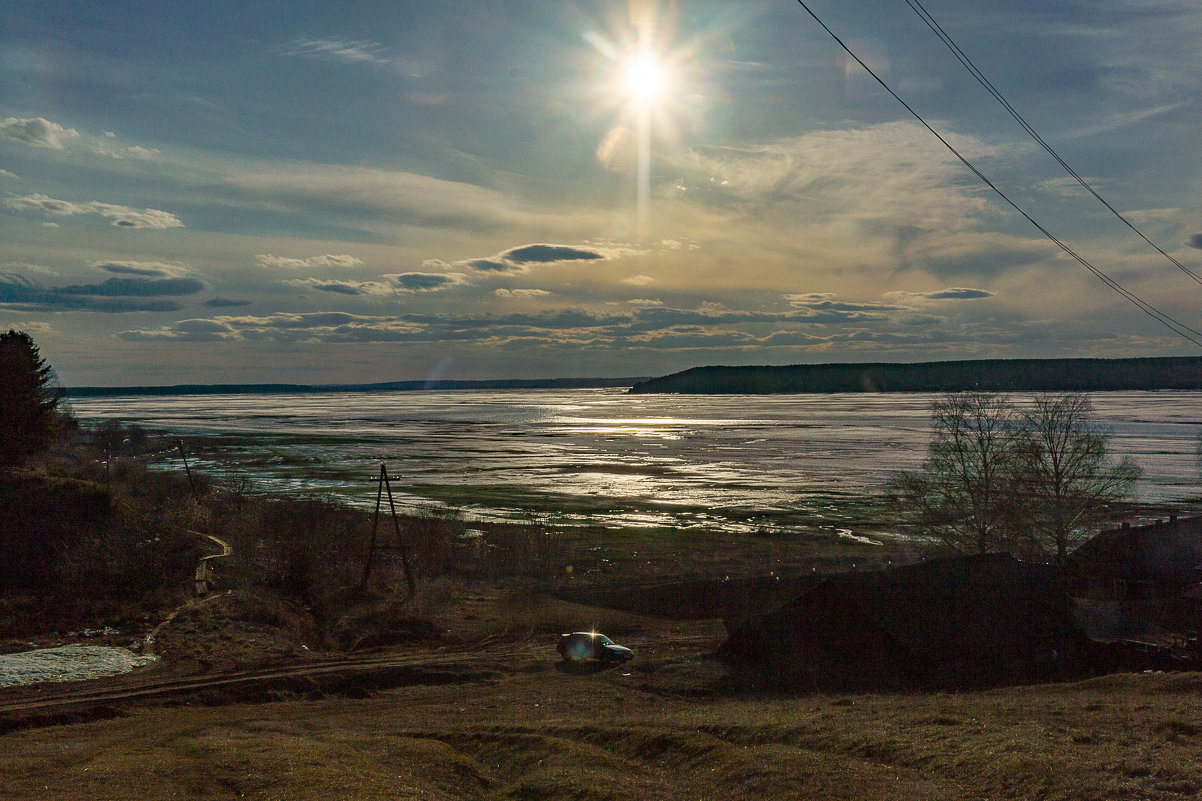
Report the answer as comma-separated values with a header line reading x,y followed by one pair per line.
x,y
968,64
1174,325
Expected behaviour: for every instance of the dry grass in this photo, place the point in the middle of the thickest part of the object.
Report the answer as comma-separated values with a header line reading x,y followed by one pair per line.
x,y
660,727
635,734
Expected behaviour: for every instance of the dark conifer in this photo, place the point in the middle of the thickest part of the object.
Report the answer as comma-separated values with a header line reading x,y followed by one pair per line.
x,y
29,399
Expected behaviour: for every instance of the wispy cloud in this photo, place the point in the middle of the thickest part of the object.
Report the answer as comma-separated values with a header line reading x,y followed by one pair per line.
x,y
37,132
121,216
400,198
354,51
291,263
521,293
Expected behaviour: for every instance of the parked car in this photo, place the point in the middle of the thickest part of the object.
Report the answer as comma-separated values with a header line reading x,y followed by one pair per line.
x,y
583,646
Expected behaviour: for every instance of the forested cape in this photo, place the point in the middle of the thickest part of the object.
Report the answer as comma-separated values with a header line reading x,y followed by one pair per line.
x,y
991,375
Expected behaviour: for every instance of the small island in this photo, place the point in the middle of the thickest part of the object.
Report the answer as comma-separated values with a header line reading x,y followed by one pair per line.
x,y
989,375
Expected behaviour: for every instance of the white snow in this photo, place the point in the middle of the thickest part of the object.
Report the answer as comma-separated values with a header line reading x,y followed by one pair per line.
x,y
68,663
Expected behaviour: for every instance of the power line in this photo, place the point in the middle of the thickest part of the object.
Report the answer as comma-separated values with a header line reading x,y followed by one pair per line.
x,y
1176,326
963,58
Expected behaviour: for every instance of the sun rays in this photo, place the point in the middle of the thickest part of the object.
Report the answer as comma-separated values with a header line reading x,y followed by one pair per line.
x,y
644,86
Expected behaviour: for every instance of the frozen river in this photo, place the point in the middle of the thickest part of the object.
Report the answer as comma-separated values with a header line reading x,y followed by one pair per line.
x,y
606,456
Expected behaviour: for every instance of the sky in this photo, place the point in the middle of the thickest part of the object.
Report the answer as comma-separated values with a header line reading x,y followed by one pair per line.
x,y
315,192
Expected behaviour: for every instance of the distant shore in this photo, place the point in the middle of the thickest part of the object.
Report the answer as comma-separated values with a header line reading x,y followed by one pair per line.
x,y
386,386
989,375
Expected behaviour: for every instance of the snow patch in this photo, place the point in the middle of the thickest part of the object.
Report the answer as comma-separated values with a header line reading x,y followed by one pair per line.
x,y
68,663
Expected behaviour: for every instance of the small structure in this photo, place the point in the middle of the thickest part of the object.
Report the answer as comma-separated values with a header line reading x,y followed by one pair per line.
x,y
1139,563
947,623
1138,592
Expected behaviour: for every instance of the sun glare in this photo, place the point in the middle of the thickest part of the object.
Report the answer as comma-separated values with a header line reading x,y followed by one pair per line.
x,y
649,78
644,79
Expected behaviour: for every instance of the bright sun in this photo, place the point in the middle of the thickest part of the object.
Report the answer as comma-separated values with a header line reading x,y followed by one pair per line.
x,y
644,79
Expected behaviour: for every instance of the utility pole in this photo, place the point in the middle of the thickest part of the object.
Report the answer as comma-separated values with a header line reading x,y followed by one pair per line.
x,y
384,485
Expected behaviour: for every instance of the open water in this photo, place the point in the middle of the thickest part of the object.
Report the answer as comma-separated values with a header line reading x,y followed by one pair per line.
x,y
604,456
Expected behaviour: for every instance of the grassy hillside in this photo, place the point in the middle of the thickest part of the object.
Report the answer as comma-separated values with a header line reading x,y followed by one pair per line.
x,y
636,734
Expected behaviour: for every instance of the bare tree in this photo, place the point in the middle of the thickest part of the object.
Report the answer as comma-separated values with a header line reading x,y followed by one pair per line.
x,y
964,492
1065,474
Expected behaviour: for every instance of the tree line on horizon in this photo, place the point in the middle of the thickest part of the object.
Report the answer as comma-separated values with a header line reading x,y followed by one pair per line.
x,y
985,375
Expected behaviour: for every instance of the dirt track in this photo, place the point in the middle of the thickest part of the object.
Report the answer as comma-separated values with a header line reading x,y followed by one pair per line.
x,y
47,704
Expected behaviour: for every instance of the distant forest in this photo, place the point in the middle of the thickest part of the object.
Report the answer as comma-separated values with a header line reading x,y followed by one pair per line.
x,y
387,386
992,375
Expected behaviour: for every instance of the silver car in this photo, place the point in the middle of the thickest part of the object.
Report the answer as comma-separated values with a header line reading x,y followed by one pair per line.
x,y
583,646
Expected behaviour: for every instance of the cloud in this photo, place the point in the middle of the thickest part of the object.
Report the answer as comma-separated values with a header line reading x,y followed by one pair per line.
x,y
194,330
224,303
139,152
426,282
353,51
854,195
824,303
284,327
549,254
521,293
328,260
7,174
519,259
1195,241
339,287
953,293
136,287
37,131
638,280
349,195
25,267
122,216
969,254
491,266
115,295
815,319
46,204
146,269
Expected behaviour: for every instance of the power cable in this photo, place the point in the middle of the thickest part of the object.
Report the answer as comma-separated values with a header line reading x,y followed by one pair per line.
x,y
1176,326
968,64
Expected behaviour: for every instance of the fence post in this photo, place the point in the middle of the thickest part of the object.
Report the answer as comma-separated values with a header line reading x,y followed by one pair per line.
x,y
187,470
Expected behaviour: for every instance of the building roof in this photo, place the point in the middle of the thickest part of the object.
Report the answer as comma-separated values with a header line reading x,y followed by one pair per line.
x,y
945,608
1165,551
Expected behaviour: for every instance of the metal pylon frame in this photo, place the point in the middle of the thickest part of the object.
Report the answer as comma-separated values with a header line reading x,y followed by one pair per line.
x,y
384,485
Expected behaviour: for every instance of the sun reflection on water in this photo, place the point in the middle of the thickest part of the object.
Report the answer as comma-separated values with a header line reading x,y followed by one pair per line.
x,y
603,457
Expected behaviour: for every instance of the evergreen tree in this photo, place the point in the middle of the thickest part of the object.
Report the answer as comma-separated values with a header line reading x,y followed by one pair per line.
x,y
28,399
